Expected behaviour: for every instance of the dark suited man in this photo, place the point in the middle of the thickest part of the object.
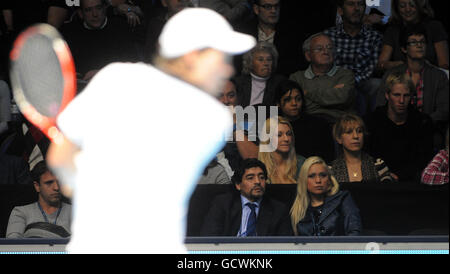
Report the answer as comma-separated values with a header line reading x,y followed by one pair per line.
x,y
231,214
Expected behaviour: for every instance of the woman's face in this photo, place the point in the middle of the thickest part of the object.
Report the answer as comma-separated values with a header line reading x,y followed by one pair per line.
x,y
318,179
408,11
262,64
291,103
285,138
352,139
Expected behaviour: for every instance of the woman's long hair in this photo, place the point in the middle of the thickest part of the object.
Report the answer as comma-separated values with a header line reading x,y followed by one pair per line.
x,y
268,157
302,200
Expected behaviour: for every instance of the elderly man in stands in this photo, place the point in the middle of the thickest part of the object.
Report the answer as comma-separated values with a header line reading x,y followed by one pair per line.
x,y
96,39
357,48
329,89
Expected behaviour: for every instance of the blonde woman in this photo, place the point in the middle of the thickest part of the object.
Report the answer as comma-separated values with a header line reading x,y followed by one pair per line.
x,y
320,208
283,164
353,164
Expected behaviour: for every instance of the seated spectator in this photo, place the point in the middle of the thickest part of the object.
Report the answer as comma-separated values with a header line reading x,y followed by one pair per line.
x,y
156,24
214,173
398,133
229,95
357,48
295,16
329,89
320,208
353,164
431,83
258,82
97,39
248,211
230,157
312,133
283,163
436,172
407,13
49,217
265,27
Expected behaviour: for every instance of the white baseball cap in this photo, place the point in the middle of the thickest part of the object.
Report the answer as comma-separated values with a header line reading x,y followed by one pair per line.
x,y
198,28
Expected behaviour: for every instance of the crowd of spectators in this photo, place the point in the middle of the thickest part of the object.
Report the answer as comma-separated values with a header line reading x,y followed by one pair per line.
x,y
360,98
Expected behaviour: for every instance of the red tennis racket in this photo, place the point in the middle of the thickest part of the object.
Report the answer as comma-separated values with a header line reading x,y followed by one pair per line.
x,y
43,77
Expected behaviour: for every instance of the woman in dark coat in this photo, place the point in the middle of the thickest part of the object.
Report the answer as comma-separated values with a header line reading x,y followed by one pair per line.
x,y
320,208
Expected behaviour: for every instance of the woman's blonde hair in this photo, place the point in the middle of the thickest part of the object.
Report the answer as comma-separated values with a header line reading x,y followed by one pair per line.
x,y
302,200
342,123
268,157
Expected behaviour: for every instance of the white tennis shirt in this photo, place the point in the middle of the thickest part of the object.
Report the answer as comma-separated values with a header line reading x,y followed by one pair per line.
x,y
145,138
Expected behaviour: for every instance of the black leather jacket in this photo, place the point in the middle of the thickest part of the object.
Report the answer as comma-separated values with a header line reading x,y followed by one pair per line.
x,y
339,217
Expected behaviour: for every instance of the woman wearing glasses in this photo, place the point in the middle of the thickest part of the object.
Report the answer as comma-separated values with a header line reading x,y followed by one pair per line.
x,y
431,83
407,13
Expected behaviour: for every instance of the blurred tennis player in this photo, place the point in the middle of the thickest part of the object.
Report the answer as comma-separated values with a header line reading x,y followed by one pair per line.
x,y
138,137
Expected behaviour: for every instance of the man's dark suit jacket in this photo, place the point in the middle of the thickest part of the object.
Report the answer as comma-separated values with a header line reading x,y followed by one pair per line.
x,y
244,89
225,216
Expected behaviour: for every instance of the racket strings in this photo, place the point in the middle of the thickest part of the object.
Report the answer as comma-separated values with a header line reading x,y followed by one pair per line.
x,y
40,75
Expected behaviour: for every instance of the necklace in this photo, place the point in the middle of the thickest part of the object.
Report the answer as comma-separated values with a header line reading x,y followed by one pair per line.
x,y
355,174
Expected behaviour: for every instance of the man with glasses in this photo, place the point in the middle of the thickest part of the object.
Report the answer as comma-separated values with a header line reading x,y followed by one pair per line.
x,y
357,49
266,27
329,89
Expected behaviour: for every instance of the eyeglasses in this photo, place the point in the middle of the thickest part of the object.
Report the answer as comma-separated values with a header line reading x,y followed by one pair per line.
x,y
414,43
270,6
321,49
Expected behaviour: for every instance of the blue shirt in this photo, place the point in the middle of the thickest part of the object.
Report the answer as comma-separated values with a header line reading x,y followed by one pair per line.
x,y
245,214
